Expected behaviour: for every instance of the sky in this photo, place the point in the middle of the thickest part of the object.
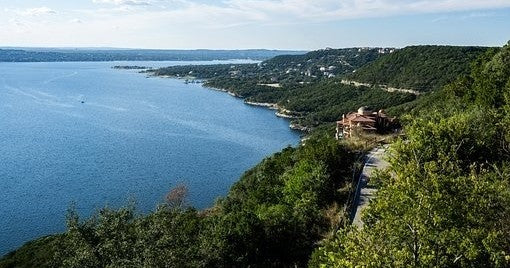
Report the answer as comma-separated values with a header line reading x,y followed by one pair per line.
x,y
243,24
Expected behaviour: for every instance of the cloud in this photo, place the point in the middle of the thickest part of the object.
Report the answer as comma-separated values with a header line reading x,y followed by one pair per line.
x,y
17,22
463,16
123,2
231,13
479,15
38,11
229,23
351,9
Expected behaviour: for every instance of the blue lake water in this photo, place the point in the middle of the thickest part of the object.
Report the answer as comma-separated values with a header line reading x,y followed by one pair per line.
x,y
133,137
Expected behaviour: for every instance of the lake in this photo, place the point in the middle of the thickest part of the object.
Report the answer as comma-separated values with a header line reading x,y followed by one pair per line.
x,y
83,132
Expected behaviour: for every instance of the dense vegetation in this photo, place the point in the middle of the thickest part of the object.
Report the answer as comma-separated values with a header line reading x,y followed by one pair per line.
x,y
445,200
273,216
321,63
208,71
51,55
421,68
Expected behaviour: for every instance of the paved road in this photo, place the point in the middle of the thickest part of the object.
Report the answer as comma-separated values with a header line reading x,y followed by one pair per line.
x,y
375,160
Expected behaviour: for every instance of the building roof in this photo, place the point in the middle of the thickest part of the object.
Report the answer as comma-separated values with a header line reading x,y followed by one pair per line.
x,y
364,119
356,118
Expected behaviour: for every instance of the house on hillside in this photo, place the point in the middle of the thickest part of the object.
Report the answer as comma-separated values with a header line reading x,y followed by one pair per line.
x,y
364,120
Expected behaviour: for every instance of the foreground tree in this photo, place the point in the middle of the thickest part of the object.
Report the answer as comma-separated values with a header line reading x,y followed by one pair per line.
x,y
432,209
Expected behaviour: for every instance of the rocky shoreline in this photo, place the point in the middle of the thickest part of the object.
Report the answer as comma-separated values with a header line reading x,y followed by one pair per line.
x,y
280,111
272,106
296,126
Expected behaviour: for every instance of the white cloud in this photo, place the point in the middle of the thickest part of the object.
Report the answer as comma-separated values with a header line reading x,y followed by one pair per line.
x,y
38,11
351,9
231,13
16,22
123,2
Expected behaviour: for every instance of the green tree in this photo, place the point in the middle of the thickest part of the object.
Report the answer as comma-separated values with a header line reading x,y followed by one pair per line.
x,y
433,209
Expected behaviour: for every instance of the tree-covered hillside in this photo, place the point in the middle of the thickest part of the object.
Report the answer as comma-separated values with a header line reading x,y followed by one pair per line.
x,y
445,199
421,68
322,63
286,69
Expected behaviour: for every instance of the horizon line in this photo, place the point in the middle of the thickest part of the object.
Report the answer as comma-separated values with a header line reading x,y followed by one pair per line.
x,y
230,49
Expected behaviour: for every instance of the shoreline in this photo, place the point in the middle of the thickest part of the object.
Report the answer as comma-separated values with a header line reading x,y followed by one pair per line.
x,y
283,114
280,112
271,106
299,127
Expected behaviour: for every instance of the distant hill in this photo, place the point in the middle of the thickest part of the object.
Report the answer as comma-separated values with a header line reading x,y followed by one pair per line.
x,y
61,54
324,62
287,69
421,68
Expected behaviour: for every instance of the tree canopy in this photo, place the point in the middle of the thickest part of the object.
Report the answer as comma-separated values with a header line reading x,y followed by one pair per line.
x,y
445,199
421,68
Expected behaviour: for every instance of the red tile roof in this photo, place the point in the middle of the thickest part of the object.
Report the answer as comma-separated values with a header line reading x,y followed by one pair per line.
x,y
361,118
357,118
